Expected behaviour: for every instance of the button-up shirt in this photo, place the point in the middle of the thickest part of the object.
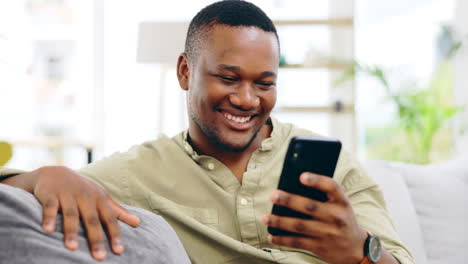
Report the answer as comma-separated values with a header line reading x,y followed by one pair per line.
x,y
217,218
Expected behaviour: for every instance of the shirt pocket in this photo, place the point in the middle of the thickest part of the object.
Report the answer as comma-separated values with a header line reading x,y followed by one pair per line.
x,y
300,256
173,211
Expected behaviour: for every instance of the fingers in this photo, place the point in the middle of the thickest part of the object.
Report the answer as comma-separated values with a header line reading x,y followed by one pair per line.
x,y
317,209
123,215
109,220
310,228
92,224
81,201
94,216
300,204
70,221
325,184
49,213
323,239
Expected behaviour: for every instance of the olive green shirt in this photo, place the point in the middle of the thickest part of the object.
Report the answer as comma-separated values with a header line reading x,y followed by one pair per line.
x,y
217,218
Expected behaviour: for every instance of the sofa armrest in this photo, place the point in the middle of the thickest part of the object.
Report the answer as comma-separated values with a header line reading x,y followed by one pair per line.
x,y
399,205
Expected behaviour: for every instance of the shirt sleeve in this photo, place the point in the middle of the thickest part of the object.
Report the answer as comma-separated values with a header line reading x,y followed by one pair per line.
x,y
111,173
370,209
6,172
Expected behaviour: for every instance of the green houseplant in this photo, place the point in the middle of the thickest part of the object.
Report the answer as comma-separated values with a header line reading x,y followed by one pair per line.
x,y
422,113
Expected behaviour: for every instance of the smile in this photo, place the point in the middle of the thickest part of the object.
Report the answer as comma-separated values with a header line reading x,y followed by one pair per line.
x,y
238,119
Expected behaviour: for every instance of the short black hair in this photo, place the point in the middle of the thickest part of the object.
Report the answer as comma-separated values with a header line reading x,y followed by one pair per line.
x,y
230,13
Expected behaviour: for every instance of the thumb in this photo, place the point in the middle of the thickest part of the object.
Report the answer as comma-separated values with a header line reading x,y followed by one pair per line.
x,y
123,215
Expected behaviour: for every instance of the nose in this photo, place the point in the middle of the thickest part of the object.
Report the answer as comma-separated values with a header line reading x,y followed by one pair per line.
x,y
245,97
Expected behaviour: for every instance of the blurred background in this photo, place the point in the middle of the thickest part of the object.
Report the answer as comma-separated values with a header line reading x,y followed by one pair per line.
x,y
80,80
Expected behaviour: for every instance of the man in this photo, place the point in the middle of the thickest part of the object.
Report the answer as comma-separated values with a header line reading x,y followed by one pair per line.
x,y
215,183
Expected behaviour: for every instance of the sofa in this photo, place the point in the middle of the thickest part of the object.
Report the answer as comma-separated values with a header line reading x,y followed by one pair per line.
x,y
429,206
23,241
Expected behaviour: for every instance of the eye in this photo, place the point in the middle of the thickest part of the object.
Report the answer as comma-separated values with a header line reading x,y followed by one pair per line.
x,y
227,79
265,85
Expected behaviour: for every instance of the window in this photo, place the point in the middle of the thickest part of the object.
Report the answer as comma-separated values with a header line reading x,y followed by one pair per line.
x,y
402,38
46,80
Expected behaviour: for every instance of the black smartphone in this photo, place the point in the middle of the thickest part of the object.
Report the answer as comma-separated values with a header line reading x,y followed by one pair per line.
x,y
305,154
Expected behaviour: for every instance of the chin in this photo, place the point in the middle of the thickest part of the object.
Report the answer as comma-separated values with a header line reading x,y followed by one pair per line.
x,y
236,145
226,139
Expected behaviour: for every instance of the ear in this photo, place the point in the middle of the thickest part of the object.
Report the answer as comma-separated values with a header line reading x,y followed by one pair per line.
x,y
183,71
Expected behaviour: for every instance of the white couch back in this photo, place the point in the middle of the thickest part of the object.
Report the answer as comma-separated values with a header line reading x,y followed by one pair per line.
x,y
399,205
429,205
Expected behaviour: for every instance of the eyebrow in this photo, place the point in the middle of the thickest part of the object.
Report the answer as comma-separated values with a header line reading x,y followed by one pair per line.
x,y
228,67
237,68
268,73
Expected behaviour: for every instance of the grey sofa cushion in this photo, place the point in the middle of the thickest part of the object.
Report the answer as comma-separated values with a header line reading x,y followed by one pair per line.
x,y
23,241
399,205
440,195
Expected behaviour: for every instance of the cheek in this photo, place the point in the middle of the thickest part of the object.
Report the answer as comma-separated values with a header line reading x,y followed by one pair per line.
x,y
196,89
202,96
269,100
212,92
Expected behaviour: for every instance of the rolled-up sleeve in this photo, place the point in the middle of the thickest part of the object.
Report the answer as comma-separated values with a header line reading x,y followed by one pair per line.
x,y
7,171
370,209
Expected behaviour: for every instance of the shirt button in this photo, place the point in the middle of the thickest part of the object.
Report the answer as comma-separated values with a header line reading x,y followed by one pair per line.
x,y
243,201
211,166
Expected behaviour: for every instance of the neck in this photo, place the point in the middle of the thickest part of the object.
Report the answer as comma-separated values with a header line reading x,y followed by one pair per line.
x,y
236,161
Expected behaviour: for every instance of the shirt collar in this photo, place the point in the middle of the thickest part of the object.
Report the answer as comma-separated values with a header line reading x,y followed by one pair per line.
x,y
267,144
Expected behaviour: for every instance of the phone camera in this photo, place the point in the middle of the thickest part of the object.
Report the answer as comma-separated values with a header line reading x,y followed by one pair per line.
x,y
297,151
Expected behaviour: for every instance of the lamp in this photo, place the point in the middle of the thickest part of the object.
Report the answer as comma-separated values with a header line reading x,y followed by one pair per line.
x,y
161,43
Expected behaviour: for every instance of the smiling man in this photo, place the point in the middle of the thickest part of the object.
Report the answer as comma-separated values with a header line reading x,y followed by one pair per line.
x,y
230,86
215,183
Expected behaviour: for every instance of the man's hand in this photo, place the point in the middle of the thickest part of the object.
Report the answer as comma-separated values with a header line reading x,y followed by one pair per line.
x,y
59,188
333,234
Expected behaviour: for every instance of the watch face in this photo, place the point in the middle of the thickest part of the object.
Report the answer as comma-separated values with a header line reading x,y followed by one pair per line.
x,y
375,249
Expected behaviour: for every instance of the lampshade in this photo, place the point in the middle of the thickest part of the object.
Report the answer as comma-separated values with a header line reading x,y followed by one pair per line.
x,y
161,42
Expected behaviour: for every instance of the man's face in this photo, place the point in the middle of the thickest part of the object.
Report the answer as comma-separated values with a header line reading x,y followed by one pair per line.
x,y
232,86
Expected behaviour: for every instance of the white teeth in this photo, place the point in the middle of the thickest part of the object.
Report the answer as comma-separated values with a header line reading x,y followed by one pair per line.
x,y
238,119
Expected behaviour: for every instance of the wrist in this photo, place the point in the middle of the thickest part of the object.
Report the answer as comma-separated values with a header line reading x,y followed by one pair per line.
x,y
26,181
372,250
359,251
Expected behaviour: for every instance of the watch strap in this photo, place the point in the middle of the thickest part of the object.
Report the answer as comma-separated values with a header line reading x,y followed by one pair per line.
x,y
365,260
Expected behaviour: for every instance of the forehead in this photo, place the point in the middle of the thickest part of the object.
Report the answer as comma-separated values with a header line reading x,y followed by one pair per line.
x,y
241,46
